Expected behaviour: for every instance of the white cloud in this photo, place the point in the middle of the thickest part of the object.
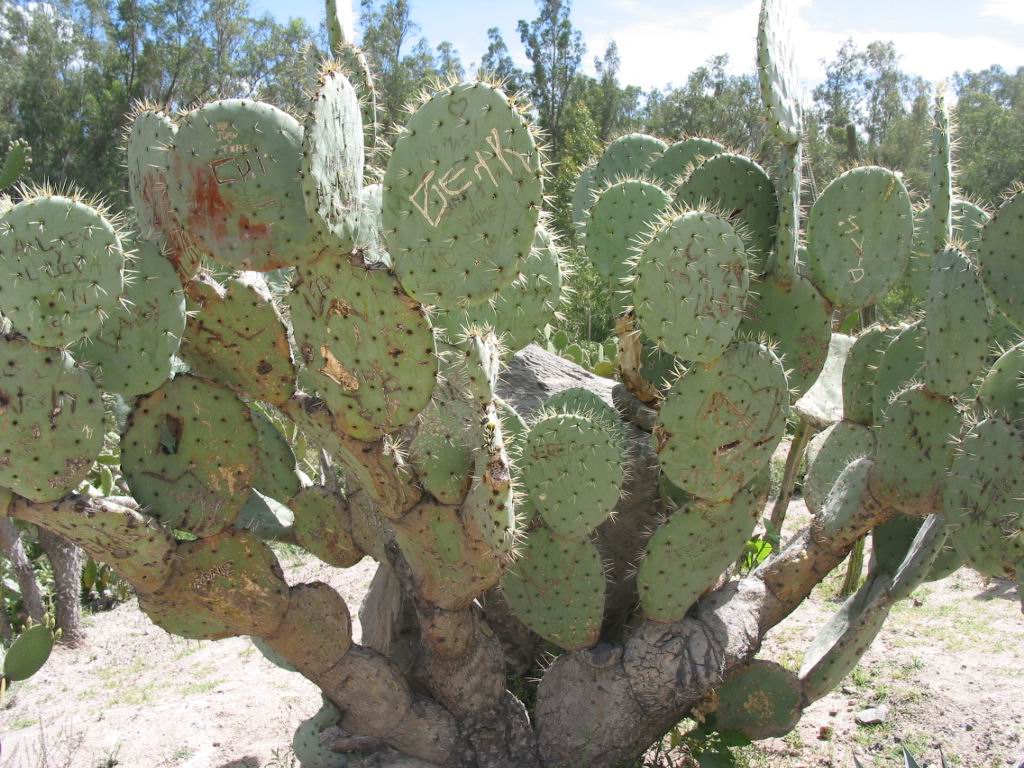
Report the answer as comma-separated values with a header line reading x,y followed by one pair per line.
x,y
1009,10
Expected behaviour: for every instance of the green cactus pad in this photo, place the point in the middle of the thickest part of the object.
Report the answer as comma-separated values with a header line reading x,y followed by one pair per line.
x,y
582,198
736,187
797,320
1001,391
277,477
982,498
761,700
902,362
237,337
1000,257
234,180
61,269
859,236
131,354
838,646
28,653
371,235
721,422
451,563
691,282
556,587
969,219
51,421
915,448
957,327
189,454
859,373
462,196
620,220
16,162
274,658
332,158
828,454
589,404
442,450
676,162
777,71
628,156
323,527
571,468
306,744
366,345
266,518
917,565
688,553
222,586
520,312
940,183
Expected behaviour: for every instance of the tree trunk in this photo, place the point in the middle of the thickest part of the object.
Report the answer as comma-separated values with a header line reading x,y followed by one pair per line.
x,y
14,551
67,560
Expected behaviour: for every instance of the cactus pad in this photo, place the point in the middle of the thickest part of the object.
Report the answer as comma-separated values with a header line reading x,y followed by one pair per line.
x,y
306,744
1001,391
265,518
628,156
859,236
17,160
556,587
689,551
237,338
859,373
583,195
828,454
234,184
721,422
1000,258
371,235
323,527
51,421
738,188
131,354
442,450
982,498
367,346
462,196
332,158
777,71
676,162
691,282
902,362
28,653
572,469
797,320
761,700
189,455
277,477
222,586
587,403
61,269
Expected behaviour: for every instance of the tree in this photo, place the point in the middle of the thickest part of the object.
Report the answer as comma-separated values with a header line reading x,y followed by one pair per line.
x,y
497,62
448,63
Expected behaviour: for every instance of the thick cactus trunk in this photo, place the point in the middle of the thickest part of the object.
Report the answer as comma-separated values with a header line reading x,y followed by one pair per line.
x,y
14,551
67,560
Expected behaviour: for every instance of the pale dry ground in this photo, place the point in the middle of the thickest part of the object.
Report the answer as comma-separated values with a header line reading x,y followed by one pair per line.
x,y
948,663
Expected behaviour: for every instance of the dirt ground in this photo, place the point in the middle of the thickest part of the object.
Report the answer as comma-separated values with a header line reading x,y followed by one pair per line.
x,y
949,665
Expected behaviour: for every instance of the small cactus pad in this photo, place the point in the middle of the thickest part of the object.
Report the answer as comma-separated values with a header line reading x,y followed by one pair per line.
x,y
859,236
920,554
277,477
676,162
306,744
131,354
777,71
16,162
738,188
519,313
276,659
1001,391
982,498
969,220
828,454
582,198
571,468
795,318
915,448
462,196
61,269
367,346
332,158
442,450
587,403
691,282
838,646
513,427
1001,258
822,404
690,551
761,700
620,220
323,527
51,421
371,235
236,337
859,372
902,362
189,455
265,518
940,183
556,587
28,653
451,563
957,328
628,156
222,586
234,184
721,422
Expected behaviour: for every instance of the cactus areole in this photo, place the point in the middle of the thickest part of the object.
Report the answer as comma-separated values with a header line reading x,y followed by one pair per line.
x,y
531,521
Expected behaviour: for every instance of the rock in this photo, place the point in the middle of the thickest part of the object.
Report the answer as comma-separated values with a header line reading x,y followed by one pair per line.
x,y
873,715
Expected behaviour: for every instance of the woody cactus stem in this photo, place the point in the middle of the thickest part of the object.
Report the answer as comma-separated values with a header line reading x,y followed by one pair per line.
x,y
797,448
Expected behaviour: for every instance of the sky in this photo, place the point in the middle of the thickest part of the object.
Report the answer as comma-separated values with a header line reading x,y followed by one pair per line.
x,y
661,41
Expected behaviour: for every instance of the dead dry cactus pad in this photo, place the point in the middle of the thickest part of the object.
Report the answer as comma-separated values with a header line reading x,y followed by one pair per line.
x,y
531,521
